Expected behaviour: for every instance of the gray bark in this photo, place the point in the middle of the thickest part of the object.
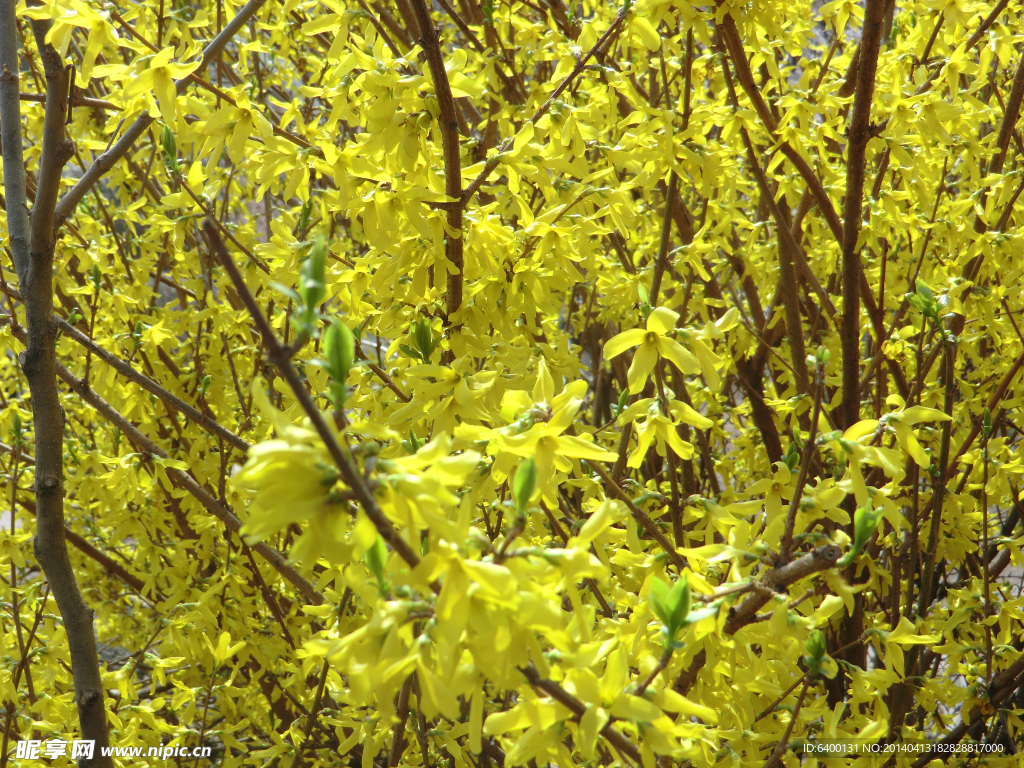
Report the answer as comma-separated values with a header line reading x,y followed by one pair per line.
x,y
10,138
38,362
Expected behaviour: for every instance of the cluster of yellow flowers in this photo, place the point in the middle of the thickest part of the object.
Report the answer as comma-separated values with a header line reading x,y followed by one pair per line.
x,y
527,383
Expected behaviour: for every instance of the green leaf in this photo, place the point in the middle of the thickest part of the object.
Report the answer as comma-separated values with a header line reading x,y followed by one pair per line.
x,y
311,279
525,484
170,146
815,645
671,605
291,293
678,604
923,289
376,561
413,353
305,214
339,347
865,522
658,598
704,613
623,401
413,444
423,336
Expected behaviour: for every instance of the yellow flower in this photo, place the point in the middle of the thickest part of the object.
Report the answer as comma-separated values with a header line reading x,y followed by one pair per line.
x,y
903,418
776,489
659,426
537,432
446,397
655,344
160,77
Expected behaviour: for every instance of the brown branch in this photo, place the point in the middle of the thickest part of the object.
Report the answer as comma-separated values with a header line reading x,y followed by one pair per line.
x,y
639,515
1006,128
786,237
124,368
78,101
398,732
227,233
783,744
993,401
788,250
749,370
934,36
938,495
805,463
987,22
818,560
314,711
108,563
448,124
278,355
182,479
380,29
187,483
574,705
973,268
859,134
1002,687
666,231
392,24
734,45
39,363
776,579
195,79
10,137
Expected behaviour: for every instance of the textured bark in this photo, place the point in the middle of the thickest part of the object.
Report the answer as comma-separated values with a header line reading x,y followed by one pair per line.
x,y
448,123
10,137
853,207
820,559
38,362
666,230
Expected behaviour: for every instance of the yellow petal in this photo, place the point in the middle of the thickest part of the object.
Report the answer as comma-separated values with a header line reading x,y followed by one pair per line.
x,y
918,413
683,449
162,58
646,32
910,444
140,84
578,448
644,439
623,341
163,87
236,147
544,389
593,720
709,362
860,429
662,320
685,413
643,363
681,358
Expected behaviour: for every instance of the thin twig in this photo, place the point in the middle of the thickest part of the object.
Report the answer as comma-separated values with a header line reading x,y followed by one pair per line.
x,y
805,464
278,355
